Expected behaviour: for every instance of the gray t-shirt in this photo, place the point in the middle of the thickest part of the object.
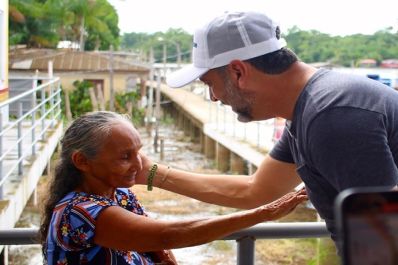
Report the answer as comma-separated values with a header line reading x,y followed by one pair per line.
x,y
344,133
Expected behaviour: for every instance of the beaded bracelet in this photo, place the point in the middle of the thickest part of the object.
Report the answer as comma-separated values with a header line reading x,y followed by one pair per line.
x,y
152,173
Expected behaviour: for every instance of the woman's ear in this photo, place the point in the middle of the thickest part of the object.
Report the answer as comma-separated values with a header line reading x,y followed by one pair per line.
x,y
239,72
80,161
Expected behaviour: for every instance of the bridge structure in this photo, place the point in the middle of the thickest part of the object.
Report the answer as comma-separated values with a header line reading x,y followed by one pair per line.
x,y
30,129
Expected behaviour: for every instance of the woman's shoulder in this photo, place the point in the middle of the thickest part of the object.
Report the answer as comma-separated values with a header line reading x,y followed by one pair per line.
x,y
81,199
81,206
127,199
125,192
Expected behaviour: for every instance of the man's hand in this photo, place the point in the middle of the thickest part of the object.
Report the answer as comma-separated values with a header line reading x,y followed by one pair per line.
x,y
141,177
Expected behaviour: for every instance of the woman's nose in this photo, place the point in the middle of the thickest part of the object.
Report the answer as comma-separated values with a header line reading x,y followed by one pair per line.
x,y
137,162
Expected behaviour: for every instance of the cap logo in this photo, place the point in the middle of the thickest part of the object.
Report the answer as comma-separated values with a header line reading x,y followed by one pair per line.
x,y
278,32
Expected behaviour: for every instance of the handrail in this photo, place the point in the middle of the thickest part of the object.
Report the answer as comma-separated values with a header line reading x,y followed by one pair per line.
x,y
245,238
43,111
29,92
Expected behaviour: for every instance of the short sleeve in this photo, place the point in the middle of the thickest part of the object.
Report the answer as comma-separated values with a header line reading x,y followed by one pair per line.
x,y
76,229
281,150
350,148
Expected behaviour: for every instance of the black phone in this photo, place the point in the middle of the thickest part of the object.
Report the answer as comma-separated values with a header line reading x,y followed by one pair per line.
x,y
367,223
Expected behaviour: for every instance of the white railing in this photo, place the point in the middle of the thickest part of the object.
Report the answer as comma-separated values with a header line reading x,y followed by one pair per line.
x,y
259,134
20,135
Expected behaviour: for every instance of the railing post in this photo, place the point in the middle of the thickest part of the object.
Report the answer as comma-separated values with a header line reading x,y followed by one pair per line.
x,y
59,96
209,104
51,85
225,118
258,134
4,256
234,124
43,111
244,131
245,251
20,154
217,107
1,154
34,118
52,104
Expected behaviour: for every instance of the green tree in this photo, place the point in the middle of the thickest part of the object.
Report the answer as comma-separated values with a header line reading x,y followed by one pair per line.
x,y
42,23
173,38
96,19
30,25
79,98
314,46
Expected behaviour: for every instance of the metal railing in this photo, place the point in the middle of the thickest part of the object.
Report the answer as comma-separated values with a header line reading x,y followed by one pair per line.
x,y
29,124
259,134
245,238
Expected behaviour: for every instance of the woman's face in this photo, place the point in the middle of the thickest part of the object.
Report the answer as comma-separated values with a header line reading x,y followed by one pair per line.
x,y
118,161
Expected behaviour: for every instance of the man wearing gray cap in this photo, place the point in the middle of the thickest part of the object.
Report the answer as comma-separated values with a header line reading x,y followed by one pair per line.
x,y
341,130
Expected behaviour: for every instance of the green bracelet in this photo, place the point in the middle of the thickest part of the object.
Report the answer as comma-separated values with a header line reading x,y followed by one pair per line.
x,y
152,173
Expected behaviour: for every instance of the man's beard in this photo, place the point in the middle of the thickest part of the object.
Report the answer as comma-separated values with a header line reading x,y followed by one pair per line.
x,y
240,102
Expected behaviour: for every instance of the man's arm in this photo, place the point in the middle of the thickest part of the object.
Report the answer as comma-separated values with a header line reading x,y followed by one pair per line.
x,y
272,180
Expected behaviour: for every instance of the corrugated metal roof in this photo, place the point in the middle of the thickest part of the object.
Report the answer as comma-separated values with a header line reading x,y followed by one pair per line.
x,y
73,61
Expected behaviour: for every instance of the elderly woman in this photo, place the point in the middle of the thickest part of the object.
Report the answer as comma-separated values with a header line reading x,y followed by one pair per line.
x,y
92,217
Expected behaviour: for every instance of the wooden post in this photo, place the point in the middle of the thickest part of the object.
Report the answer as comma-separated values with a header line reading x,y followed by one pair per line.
x,y
93,98
237,164
222,158
68,112
210,147
100,97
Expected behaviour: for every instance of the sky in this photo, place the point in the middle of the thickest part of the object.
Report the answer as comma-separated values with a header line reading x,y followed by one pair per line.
x,y
334,17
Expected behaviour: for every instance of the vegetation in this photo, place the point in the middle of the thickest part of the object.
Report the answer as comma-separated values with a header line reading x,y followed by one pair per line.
x,y
79,99
314,46
128,103
80,102
94,25
177,41
43,23
311,46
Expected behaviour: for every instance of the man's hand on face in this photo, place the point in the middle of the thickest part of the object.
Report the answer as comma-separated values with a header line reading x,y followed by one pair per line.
x,y
141,177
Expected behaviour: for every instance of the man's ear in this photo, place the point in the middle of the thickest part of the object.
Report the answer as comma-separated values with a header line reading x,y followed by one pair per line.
x,y
80,161
239,72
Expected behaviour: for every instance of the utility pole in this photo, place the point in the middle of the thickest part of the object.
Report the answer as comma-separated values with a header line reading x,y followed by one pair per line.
x,y
157,112
149,108
164,59
112,92
178,47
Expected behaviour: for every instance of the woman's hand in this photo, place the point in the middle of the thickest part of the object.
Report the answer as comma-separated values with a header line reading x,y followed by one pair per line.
x,y
283,205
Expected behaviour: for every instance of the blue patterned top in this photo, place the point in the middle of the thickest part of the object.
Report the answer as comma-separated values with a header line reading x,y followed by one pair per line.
x,y
72,229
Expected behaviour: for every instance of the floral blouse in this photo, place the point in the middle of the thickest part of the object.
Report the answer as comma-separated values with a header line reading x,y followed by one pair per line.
x,y
72,229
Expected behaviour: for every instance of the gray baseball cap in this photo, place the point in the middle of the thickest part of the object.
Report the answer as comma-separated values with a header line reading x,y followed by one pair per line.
x,y
232,36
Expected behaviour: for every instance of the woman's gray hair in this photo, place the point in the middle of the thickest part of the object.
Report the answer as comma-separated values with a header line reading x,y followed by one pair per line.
x,y
85,134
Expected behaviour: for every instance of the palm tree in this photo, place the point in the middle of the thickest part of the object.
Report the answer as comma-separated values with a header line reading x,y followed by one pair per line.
x,y
89,17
